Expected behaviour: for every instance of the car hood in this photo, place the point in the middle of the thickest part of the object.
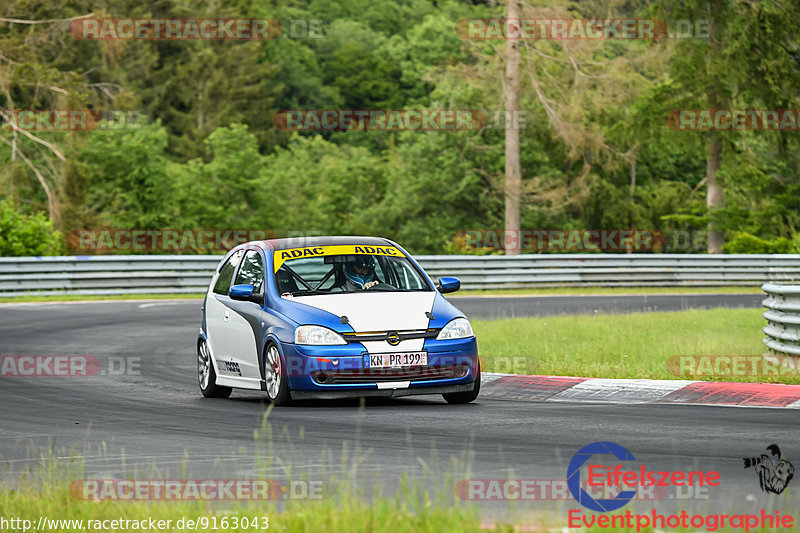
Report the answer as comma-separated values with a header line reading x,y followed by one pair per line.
x,y
377,311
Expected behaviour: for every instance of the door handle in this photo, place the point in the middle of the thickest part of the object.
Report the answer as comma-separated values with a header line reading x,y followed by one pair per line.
x,y
227,316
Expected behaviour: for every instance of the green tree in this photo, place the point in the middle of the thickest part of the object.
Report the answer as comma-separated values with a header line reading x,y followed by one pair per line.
x,y
227,191
127,172
749,58
22,235
317,187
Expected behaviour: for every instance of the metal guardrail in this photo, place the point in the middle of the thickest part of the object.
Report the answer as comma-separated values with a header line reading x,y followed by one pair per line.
x,y
620,270
111,274
783,318
131,274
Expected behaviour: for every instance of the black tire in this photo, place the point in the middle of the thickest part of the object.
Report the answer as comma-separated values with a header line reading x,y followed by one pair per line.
x,y
206,376
275,377
466,396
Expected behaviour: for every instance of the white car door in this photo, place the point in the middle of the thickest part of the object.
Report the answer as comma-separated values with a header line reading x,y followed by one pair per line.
x,y
222,323
245,318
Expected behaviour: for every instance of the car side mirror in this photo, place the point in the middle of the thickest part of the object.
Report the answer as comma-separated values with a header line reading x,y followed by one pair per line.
x,y
241,292
257,298
448,284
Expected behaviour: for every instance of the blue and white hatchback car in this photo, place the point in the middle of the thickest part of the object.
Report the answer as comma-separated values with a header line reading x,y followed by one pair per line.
x,y
332,317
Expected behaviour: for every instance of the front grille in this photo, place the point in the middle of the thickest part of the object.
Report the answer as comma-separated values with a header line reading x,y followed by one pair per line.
x,y
375,375
384,335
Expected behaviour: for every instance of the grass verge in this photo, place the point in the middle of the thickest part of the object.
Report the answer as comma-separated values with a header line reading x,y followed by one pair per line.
x,y
100,297
578,291
637,345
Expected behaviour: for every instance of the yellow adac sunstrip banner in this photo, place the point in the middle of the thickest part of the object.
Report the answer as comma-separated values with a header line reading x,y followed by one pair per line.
x,y
282,256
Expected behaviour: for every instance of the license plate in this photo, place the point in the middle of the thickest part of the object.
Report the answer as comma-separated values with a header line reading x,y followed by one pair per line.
x,y
398,359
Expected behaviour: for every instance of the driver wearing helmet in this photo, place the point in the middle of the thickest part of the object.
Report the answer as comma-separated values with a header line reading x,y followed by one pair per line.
x,y
360,273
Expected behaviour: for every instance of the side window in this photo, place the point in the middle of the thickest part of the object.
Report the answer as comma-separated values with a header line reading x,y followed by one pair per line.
x,y
252,271
223,284
380,273
403,273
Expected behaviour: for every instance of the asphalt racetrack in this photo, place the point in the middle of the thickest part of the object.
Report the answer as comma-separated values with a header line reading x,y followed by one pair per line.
x,y
150,419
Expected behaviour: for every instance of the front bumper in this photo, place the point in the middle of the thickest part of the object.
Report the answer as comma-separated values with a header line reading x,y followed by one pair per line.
x,y
343,371
385,393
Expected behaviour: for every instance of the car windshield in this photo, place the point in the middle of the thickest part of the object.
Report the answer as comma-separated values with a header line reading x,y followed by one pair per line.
x,y
326,270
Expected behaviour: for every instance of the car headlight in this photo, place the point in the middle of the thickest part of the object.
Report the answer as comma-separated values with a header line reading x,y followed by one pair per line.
x,y
317,335
458,328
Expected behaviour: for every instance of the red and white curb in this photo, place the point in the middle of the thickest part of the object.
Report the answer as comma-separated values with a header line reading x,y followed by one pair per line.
x,y
634,391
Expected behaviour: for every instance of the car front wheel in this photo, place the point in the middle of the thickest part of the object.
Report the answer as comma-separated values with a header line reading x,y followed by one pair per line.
x,y
467,396
275,377
206,375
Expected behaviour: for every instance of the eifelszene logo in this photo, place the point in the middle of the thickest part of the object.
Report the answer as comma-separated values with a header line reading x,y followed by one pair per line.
x,y
574,476
605,476
774,472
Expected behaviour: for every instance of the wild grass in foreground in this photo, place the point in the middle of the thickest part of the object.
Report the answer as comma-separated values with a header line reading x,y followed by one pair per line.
x,y
52,488
45,490
62,512
387,514
637,345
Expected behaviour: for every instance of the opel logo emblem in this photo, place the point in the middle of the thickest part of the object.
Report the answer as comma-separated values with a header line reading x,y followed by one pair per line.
x,y
393,338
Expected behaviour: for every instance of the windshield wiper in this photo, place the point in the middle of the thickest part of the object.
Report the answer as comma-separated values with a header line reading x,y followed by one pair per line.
x,y
308,293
